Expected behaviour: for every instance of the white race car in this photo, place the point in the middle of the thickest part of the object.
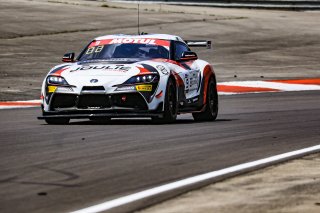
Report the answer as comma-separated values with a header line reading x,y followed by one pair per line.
x,y
150,75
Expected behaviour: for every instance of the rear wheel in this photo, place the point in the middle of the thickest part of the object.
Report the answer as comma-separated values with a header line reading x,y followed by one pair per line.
x,y
170,104
211,111
56,121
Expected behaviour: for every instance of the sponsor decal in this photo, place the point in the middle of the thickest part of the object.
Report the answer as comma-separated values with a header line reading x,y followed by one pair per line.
x,y
64,89
144,88
133,41
191,80
115,68
162,69
126,88
52,89
193,100
96,49
149,41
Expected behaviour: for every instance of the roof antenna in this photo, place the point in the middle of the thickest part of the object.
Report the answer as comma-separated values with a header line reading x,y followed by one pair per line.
x,y
139,18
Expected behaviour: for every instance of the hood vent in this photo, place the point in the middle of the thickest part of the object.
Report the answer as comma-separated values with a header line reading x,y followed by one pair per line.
x,y
90,88
93,90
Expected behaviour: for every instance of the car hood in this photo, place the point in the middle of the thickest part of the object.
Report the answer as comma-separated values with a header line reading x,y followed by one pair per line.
x,y
102,73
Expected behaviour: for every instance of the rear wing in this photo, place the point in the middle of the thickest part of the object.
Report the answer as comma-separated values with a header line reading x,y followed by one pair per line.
x,y
198,43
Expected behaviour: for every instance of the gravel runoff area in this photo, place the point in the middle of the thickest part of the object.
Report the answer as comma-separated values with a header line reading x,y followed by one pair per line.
x,y
290,187
248,45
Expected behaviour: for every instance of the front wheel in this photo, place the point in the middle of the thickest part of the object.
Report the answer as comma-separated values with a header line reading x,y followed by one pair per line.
x,y
54,121
170,105
211,110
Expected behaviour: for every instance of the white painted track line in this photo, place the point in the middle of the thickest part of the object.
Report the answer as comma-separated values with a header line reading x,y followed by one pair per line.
x,y
17,107
272,85
194,180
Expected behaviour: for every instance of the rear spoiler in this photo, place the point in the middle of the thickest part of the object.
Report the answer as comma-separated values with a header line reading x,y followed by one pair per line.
x,y
199,43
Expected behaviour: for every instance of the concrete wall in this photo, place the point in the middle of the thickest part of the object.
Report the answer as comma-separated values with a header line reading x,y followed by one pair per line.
x,y
244,1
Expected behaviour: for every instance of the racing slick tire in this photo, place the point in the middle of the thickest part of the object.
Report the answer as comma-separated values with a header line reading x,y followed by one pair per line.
x,y
170,105
210,112
56,121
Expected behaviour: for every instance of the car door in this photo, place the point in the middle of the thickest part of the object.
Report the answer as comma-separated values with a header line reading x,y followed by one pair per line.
x,y
189,72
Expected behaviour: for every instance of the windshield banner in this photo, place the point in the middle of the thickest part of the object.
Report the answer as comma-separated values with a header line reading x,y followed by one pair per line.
x,y
150,41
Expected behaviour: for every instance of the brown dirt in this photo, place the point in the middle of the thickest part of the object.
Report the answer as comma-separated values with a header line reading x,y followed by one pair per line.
x,y
290,187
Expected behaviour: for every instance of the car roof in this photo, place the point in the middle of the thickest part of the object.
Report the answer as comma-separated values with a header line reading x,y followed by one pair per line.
x,y
150,36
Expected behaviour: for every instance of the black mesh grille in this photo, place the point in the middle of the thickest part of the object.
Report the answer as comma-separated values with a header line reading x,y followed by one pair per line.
x,y
88,101
130,100
63,101
88,88
99,101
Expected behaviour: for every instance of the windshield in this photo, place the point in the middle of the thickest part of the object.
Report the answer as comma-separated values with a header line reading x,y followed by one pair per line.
x,y
140,49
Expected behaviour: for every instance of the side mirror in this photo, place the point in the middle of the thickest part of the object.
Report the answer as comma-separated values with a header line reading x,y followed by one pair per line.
x,y
188,55
69,57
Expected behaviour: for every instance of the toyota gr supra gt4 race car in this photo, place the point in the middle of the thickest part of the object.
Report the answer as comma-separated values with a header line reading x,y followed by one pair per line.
x,y
150,75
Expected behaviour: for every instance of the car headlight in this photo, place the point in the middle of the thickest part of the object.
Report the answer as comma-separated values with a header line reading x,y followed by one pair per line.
x,y
53,82
150,78
56,80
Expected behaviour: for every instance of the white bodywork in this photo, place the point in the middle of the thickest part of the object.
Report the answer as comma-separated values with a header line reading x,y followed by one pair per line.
x,y
112,74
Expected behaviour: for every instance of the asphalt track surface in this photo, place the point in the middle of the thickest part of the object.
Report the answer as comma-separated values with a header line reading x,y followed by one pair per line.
x,y
47,168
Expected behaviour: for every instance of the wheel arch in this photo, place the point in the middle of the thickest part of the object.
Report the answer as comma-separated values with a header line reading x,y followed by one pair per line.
x,y
179,85
208,73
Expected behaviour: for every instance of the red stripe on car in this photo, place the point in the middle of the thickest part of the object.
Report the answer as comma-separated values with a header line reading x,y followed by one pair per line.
x,y
143,71
207,73
58,73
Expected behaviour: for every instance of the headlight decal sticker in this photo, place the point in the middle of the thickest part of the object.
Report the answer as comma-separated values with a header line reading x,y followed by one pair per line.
x,y
58,73
59,69
150,68
143,71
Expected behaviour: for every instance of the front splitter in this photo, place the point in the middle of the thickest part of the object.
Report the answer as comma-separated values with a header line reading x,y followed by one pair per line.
x,y
110,115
